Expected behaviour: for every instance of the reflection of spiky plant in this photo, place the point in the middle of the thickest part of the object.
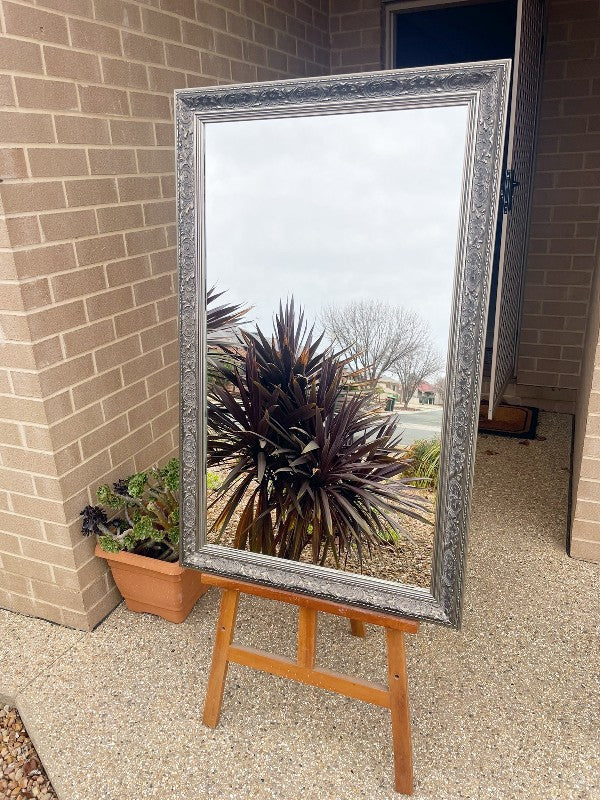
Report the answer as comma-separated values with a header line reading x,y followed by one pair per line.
x,y
309,466
221,327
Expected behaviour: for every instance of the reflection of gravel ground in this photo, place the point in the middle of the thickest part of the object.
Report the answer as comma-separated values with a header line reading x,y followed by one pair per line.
x,y
405,561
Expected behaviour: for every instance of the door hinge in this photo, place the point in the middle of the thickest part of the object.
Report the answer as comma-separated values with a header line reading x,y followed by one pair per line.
x,y
508,189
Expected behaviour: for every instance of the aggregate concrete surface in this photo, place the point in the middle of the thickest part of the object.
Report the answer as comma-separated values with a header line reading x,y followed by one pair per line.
x,y
507,707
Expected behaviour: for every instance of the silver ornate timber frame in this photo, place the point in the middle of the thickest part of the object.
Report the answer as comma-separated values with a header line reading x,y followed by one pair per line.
x,y
483,87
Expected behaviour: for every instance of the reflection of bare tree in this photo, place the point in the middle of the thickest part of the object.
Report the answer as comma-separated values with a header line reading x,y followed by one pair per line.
x,y
439,385
413,368
374,335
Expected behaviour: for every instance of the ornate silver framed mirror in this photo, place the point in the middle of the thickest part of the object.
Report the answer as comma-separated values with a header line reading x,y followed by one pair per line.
x,y
335,239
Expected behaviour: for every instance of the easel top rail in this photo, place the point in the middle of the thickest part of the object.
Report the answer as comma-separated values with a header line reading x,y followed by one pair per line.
x,y
307,601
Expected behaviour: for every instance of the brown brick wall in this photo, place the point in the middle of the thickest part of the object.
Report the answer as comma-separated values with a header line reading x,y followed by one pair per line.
x,y
563,243
356,36
88,361
560,352
585,531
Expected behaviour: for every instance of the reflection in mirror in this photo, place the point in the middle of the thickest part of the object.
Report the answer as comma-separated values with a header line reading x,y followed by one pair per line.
x,y
330,250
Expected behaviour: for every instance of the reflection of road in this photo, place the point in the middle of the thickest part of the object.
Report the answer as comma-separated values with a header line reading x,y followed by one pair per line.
x,y
422,424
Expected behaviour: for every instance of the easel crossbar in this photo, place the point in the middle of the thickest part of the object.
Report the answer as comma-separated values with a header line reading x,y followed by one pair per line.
x,y
283,667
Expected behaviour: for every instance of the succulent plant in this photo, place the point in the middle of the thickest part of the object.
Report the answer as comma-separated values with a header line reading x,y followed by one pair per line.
x,y
120,487
147,513
94,521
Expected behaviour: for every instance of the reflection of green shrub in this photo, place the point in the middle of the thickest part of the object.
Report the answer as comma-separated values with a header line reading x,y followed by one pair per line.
x,y
424,455
212,480
389,535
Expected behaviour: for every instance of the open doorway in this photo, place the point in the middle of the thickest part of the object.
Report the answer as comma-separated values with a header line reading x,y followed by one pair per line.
x,y
453,33
429,32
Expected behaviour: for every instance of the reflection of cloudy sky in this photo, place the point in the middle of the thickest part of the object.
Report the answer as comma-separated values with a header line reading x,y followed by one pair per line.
x,y
337,208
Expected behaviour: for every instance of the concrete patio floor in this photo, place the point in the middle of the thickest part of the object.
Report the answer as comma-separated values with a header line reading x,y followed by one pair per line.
x,y
506,708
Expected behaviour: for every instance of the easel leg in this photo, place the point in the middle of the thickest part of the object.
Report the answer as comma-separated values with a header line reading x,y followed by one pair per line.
x,y
393,696
220,662
400,712
307,636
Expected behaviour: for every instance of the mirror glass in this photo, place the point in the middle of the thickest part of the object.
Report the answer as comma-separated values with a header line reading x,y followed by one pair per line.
x,y
330,251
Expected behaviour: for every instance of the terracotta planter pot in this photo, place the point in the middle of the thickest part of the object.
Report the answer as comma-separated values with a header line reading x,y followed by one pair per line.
x,y
155,587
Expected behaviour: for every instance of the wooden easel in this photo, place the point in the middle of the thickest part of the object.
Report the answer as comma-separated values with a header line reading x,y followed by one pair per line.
x,y
393,696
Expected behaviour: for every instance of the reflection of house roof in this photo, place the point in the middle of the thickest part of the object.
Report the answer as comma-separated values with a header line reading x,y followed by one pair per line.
x,y
425,387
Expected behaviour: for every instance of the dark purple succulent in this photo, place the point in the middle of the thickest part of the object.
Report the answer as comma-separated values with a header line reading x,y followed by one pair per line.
x,y
121,487
93,517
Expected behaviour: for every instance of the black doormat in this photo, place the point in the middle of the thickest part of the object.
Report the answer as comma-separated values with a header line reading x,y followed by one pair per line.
x,y
517,421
